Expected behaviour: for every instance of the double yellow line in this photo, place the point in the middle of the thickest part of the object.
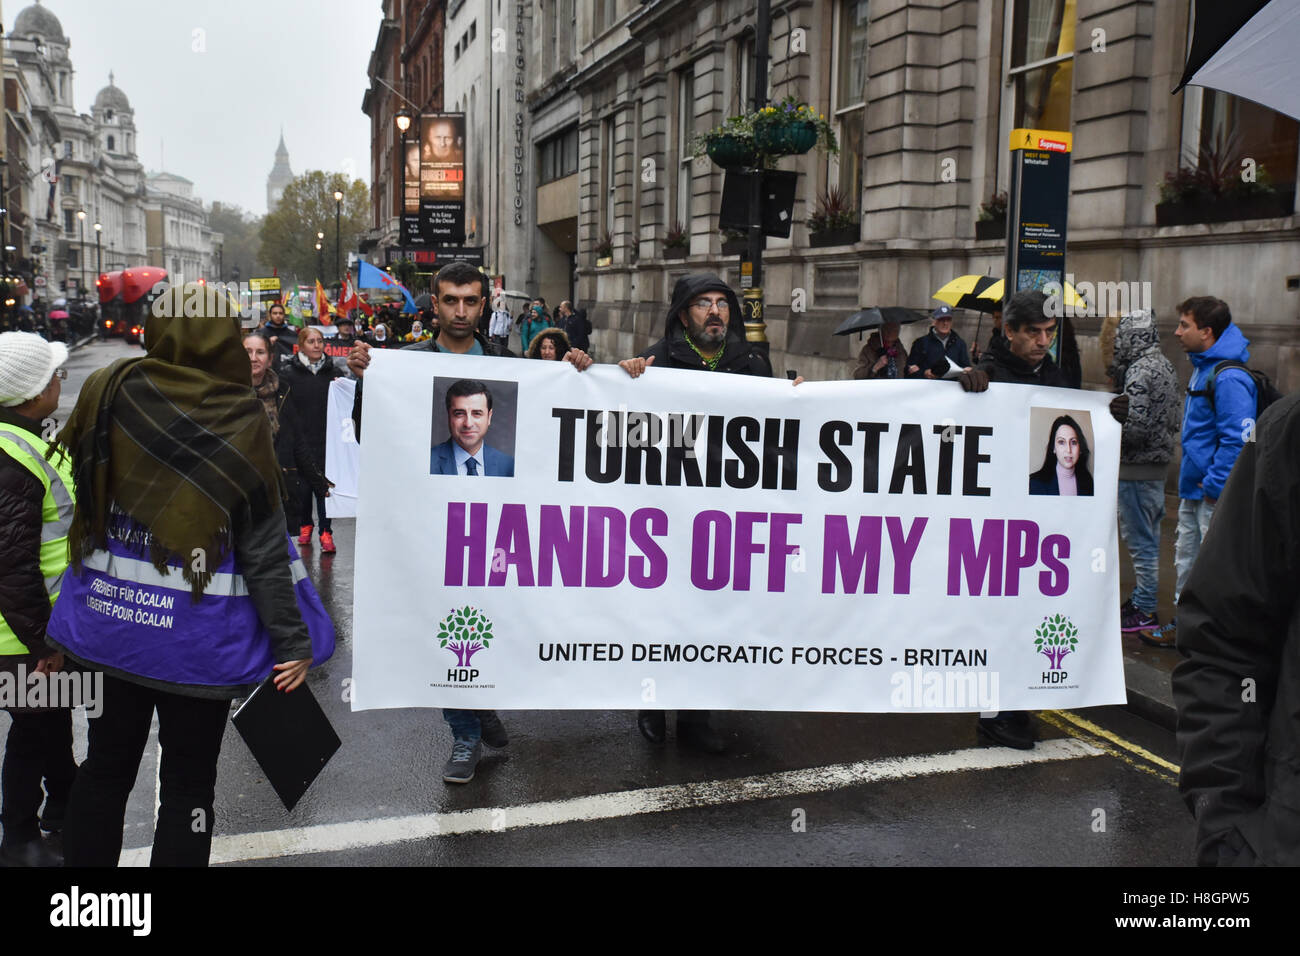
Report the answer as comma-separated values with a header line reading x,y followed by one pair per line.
x,y
1135,756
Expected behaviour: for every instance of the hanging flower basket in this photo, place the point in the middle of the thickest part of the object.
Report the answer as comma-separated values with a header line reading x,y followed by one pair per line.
x,y
754,140
788,139
730,151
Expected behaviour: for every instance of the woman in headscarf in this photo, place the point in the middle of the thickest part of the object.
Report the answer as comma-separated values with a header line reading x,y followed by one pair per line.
x,y
291,448
181,587
1065,466
550,344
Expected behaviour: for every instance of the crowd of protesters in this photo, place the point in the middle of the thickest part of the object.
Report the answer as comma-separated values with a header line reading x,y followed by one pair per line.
x,y
215,441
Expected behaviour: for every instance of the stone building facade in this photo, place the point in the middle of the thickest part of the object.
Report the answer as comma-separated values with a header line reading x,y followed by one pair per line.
x,y
923,95
405,70
67,162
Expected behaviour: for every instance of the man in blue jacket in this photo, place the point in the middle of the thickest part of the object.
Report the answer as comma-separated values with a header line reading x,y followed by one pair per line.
x,y
1218,418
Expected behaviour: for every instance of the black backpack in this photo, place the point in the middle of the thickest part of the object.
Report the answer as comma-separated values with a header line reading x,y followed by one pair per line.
x,y
1266,392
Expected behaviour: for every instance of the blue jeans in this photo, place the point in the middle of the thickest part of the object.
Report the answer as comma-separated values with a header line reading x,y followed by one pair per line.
x,y
464,724
1193,521
1141,509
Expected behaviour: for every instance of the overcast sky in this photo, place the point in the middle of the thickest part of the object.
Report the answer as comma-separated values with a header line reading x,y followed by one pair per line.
x,y
209,105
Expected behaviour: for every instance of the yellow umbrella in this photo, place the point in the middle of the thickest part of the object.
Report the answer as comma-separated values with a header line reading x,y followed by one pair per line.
x,y
1072,297
969,292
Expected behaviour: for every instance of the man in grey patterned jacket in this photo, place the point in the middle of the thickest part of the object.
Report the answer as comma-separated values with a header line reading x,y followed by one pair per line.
x,y
1143,373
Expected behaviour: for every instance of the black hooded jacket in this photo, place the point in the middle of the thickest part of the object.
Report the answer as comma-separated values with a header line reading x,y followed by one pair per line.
x,y
738,356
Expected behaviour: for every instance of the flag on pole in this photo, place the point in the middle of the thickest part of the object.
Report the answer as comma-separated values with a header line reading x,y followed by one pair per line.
x,y
291,306
370,277
322,306
347,295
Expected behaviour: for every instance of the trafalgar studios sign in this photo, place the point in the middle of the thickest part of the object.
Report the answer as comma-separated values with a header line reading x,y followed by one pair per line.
x,y
701,540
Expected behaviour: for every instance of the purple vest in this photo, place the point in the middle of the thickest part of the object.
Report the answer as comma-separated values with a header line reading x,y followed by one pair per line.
x,y
122,613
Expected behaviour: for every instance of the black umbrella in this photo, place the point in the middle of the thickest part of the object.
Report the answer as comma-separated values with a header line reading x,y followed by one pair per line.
x,y
424,301
874,318
1247,48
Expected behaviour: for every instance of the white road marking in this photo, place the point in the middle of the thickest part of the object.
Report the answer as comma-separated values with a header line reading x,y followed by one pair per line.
x,y
357,834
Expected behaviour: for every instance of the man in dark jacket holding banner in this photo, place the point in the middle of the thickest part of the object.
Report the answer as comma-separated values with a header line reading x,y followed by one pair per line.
x,y
1020,356
461,293
703,331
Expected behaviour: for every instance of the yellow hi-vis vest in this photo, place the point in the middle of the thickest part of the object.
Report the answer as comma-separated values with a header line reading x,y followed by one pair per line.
x,y
56,515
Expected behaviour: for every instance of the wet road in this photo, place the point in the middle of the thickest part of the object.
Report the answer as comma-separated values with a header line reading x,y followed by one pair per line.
x,y
582,787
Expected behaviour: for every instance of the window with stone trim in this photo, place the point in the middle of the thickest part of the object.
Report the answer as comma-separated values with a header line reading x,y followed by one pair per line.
x,y
604,15
685,131
607,172
849,101
557,156
1040,65
742,94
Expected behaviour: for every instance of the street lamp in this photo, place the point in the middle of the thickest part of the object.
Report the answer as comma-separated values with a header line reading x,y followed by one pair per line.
x,y
318,257
99,251
338,238
81,228
403,120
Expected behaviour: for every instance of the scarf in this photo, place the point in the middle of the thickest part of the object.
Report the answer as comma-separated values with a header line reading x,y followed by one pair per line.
x,y
176,442
315,366
893,352
269,394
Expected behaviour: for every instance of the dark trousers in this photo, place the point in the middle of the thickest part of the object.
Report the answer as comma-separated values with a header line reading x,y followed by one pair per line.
x,y
189,730
39,749
306,495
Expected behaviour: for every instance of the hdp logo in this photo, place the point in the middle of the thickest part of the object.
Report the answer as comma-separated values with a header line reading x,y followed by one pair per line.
x,y
1054,638
465,632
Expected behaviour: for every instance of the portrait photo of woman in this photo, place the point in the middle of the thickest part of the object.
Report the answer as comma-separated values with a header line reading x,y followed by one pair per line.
x,y
1065,469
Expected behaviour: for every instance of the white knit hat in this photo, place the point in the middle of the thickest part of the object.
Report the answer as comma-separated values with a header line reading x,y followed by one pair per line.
x,y
27,363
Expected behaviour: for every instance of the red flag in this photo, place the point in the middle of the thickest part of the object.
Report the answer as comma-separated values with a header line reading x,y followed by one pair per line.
x,y
347,296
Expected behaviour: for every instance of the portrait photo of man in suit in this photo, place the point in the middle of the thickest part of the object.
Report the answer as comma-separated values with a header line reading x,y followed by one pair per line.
x,y
466,452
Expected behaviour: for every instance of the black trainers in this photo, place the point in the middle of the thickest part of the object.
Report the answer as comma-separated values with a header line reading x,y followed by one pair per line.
x,y
464,758
493,731
1134,620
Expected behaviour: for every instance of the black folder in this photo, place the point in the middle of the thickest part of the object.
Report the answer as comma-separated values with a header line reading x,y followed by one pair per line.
x,y
289,735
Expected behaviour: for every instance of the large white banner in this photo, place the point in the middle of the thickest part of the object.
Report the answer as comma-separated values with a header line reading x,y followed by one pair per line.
x,y
712,541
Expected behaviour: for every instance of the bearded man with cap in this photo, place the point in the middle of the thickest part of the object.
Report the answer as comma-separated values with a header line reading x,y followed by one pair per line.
x,y
36,507
704,331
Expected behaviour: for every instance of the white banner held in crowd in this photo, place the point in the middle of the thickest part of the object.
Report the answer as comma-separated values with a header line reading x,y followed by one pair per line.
x,y
709,541
342,454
